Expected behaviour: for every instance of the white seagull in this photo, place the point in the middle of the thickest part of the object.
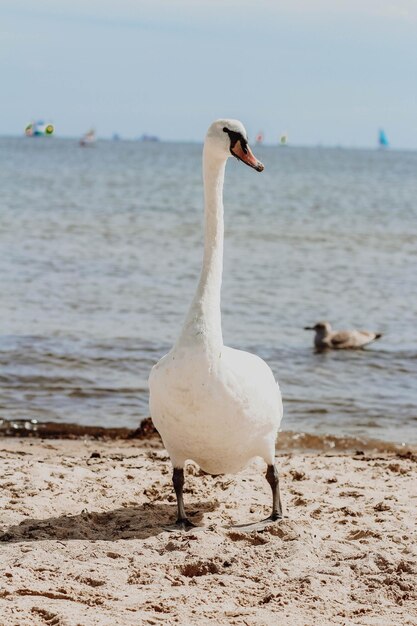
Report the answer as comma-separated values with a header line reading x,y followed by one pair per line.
x,y
215,405
325,337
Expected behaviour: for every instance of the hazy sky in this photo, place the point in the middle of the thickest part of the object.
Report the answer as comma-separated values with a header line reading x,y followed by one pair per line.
x,y
326,71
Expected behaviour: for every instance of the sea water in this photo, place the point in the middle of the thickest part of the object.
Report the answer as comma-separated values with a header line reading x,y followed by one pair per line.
x,y
100,252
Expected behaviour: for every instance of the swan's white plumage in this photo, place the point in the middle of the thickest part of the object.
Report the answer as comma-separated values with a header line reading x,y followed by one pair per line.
x,y
215,405
220,413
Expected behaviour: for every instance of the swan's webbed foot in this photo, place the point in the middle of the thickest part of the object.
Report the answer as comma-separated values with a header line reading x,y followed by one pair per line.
x,y
181,525
257,526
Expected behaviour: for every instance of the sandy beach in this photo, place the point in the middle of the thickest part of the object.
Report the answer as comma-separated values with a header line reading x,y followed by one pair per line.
x,y
82,540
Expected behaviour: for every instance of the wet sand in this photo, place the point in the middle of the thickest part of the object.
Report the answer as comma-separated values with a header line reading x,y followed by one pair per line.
x,y
82,540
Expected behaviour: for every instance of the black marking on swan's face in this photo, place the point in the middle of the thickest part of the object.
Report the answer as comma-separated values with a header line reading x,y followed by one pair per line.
x,y
234,137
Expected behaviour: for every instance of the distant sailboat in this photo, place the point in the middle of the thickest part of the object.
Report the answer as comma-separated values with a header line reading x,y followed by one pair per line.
x,y
88,139
259,137
283,140
382,139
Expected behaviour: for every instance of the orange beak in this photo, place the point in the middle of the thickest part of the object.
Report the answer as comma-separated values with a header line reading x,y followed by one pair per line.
x,y
246,155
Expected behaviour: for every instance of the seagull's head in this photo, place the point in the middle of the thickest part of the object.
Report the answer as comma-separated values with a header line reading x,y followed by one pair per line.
x,y
322,328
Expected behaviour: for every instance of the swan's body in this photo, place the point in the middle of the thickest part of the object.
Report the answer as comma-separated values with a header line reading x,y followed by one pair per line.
x,y
212,404
220,411
325,337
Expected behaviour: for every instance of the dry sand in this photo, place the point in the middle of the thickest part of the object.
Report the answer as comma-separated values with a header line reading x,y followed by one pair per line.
x,y
82,539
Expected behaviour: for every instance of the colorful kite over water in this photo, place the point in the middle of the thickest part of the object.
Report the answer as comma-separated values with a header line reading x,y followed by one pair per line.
x,y
38,129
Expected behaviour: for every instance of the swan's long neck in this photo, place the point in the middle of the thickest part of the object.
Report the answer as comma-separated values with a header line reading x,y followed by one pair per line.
x,y
203,323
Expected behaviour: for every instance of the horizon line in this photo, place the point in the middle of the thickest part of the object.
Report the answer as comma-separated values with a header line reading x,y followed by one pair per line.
x,y
265,144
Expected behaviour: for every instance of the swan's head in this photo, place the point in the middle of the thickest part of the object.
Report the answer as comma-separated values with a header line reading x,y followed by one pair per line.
x,y
227,138
322,328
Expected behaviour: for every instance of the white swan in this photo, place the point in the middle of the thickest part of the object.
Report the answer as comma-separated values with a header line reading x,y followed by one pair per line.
x,y
217,406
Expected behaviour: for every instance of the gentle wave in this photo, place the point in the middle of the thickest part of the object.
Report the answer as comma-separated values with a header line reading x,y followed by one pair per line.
x,y
104,383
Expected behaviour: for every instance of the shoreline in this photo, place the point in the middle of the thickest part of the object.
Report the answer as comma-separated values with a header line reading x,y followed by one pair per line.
x,y
82,538
288,441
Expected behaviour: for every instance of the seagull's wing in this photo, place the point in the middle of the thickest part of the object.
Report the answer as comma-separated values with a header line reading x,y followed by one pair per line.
x,y
342,339
353,338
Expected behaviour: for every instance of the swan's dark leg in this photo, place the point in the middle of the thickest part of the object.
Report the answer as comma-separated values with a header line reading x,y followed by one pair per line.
x,y
178,481
273,479
182,522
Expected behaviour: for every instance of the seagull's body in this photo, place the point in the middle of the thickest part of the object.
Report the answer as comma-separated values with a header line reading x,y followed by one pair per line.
x,y
325,337
215,405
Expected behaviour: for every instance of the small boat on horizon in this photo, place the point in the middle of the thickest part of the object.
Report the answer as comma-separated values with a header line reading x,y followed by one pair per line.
x,y
283,140
259,137
88,139
149,138
382,139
